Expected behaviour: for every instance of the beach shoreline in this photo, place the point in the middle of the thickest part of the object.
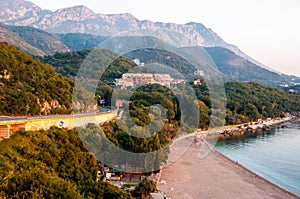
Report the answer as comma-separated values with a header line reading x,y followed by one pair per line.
x,y
258,176
215,176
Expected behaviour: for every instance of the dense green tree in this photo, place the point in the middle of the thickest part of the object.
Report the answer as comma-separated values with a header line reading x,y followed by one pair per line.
x,y
251,101
144,188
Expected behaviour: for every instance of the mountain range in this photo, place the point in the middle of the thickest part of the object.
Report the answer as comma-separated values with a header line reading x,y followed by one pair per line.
x,y
42,32
80,19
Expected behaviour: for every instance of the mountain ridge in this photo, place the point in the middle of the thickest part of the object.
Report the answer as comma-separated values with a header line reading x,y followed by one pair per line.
x,y
81,19
31,40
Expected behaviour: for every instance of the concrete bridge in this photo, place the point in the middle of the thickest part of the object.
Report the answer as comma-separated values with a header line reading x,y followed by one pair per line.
x,y
10,125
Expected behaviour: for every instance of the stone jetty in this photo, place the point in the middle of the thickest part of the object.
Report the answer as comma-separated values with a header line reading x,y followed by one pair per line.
x,y
251,127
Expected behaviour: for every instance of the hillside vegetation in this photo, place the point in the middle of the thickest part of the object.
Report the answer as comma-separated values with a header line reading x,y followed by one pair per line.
x,y
245,101
28,87
230,65
251,101
51,164
56,164
68,64
31,88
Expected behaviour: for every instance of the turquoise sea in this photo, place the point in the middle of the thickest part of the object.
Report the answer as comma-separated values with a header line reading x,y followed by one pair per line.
x,y
274,155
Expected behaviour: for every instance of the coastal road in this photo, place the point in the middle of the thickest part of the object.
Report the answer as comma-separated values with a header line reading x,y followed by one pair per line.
x,y
22,118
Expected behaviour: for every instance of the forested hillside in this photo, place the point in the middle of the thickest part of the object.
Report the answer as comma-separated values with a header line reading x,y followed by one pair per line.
x,y
55,163
33,88
28,87
252,101
51,164
68,64
231,66
245,101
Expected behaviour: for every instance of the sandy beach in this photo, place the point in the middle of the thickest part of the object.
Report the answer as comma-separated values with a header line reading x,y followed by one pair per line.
x,y
214,176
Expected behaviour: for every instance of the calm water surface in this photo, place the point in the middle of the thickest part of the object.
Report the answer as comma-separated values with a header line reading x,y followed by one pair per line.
x,y
274,155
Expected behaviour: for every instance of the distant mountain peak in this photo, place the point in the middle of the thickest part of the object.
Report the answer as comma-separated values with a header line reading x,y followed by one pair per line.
x,y
80,9
76,13
15,9
17,4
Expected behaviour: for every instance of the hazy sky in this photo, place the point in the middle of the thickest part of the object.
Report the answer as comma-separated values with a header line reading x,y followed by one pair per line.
x,y
267,30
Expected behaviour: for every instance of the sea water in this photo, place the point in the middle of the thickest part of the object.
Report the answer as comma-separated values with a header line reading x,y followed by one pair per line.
x,y
274,155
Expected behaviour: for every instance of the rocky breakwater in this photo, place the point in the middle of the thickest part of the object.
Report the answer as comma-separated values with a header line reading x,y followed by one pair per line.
x,y
251,127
